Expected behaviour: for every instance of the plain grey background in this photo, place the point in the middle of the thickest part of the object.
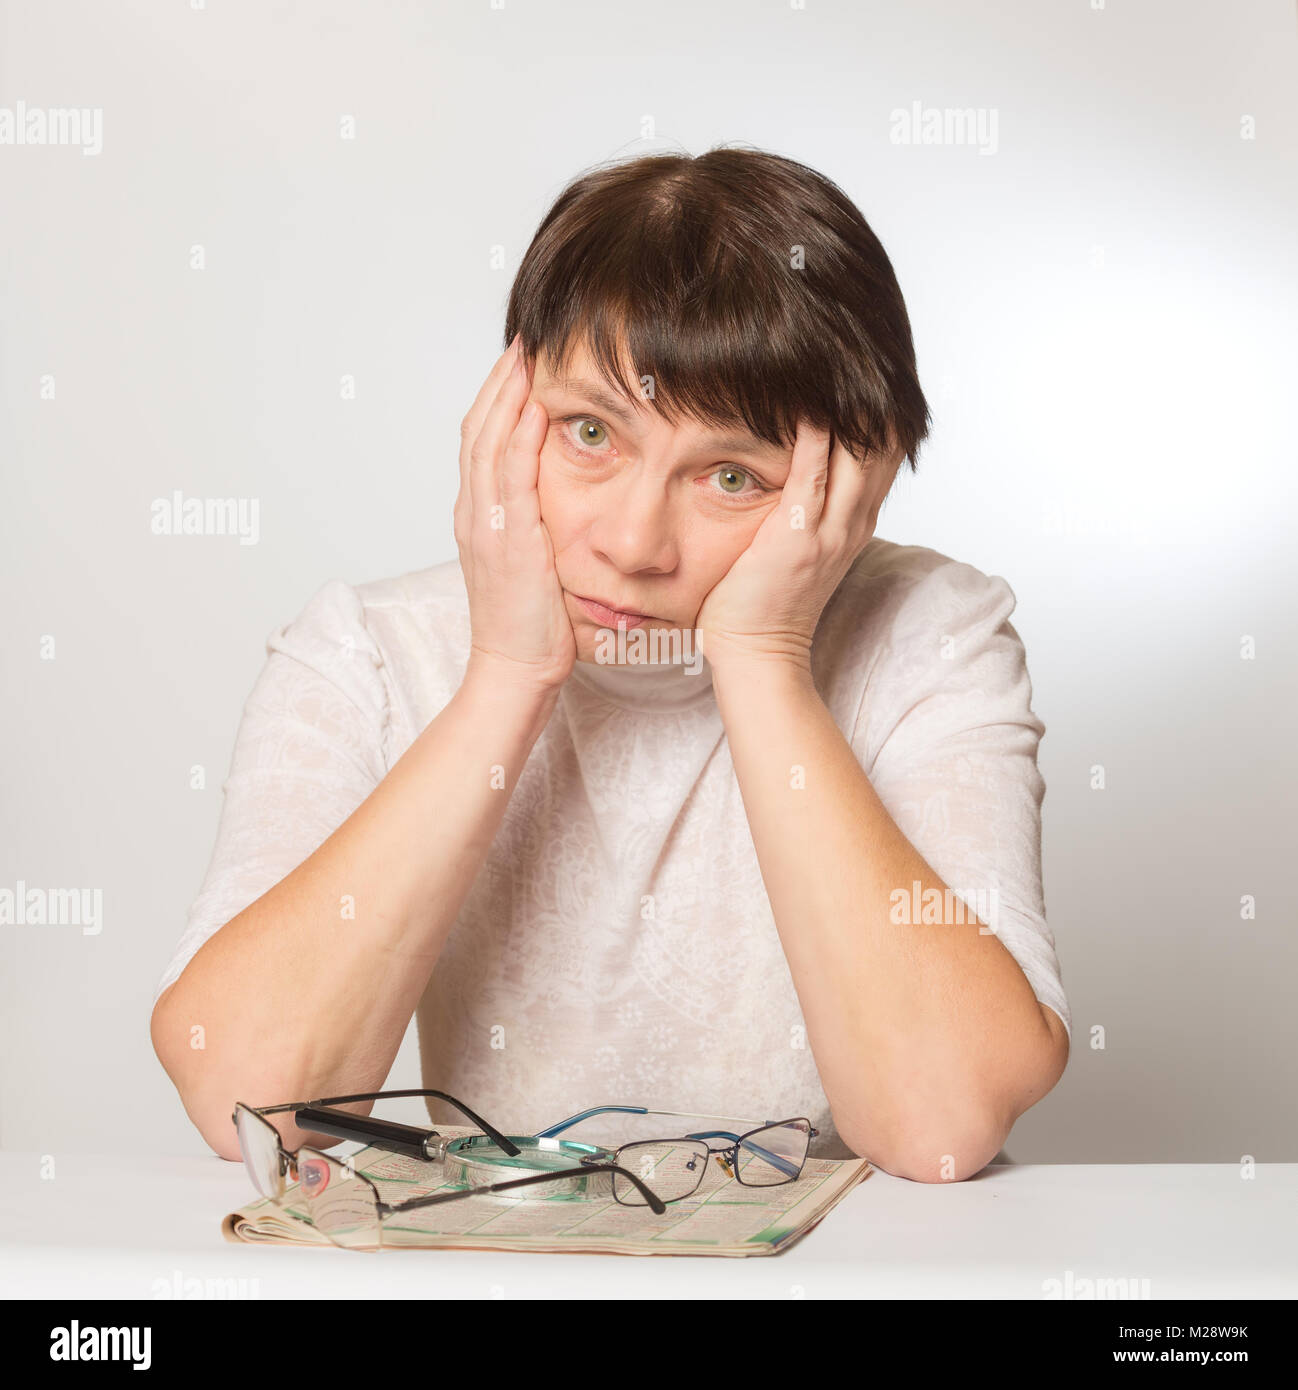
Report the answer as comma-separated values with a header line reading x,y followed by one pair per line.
x,y
1103,306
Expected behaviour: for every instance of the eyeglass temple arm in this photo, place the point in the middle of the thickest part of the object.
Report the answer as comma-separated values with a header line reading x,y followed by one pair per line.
x,y
364,1125
586,1114
774,1159
638,1110
655,1202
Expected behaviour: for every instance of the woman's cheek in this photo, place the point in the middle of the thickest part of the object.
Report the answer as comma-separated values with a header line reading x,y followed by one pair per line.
x,y
563,482
553,491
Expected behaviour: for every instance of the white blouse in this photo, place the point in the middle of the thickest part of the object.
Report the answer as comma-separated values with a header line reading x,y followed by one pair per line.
x,y
617,946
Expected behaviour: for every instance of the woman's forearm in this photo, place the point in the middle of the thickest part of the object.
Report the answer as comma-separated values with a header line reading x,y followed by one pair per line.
x,y
294,998
928,1039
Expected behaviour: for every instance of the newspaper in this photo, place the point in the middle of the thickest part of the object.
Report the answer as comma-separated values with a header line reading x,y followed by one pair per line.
x,y
723,1217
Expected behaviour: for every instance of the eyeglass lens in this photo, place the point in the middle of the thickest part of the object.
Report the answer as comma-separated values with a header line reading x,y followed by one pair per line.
x,y
341,1203
671,1168
774,1155
259,1144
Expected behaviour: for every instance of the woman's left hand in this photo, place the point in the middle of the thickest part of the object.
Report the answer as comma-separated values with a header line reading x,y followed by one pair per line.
x,y
770,600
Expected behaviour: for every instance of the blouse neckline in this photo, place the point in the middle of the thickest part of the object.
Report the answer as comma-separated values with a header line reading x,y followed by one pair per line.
x,y
652,687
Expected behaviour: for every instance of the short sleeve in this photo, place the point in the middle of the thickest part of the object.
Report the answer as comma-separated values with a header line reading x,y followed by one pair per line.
x,y
947,735
310,748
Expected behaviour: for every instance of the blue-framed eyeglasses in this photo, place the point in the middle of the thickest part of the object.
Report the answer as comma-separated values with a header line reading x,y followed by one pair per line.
x,y
762,1154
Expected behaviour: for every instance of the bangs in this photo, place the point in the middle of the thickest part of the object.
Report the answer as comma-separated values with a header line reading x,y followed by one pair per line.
x,y
732,305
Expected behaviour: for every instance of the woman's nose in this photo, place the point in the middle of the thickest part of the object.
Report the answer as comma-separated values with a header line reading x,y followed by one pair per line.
x,y
636,529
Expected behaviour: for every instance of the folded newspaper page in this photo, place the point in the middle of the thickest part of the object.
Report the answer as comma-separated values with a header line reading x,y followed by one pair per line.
x,y
723,1217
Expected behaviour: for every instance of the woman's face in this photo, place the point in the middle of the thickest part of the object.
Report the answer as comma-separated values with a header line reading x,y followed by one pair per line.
x,y
644,516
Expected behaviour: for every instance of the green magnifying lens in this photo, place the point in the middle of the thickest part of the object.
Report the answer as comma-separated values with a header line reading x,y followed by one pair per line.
x,y
477,1161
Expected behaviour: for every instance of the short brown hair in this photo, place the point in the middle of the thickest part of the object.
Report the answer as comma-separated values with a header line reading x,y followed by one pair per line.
x,y
687,266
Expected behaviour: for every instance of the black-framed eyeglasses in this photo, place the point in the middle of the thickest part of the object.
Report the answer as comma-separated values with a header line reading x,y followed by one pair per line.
x,y
343,1204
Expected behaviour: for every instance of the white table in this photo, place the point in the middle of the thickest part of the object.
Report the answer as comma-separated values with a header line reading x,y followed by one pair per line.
x,y
1192,1230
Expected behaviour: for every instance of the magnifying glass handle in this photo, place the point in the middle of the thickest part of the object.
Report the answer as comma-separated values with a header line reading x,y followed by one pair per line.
x,y
383,1134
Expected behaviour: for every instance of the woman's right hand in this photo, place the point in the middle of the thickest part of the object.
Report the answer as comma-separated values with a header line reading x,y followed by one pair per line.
x,y
521,627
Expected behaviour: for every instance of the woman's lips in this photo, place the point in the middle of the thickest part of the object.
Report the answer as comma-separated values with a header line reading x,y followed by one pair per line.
x,y
611,617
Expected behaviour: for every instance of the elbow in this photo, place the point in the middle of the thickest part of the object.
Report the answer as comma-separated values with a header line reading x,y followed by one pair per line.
x,y
955,1138
222,1139
210,1116
161,1033
935,1154
934,1162
165,1035
958,1142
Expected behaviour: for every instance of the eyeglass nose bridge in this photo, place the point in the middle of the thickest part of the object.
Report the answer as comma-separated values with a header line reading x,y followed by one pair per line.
x,y
727,1156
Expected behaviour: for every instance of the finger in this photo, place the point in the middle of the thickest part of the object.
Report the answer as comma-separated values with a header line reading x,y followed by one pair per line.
x,y
521,466
862,493
807,480
471,426
485,452
850,483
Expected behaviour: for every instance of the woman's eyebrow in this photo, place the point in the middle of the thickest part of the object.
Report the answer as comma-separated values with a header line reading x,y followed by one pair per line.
x,y
606,400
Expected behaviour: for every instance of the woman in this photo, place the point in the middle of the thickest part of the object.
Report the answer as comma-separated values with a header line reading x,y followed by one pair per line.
x,y
797,875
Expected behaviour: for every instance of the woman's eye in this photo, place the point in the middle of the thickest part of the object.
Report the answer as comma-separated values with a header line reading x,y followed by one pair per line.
x,y
732,480
590,433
